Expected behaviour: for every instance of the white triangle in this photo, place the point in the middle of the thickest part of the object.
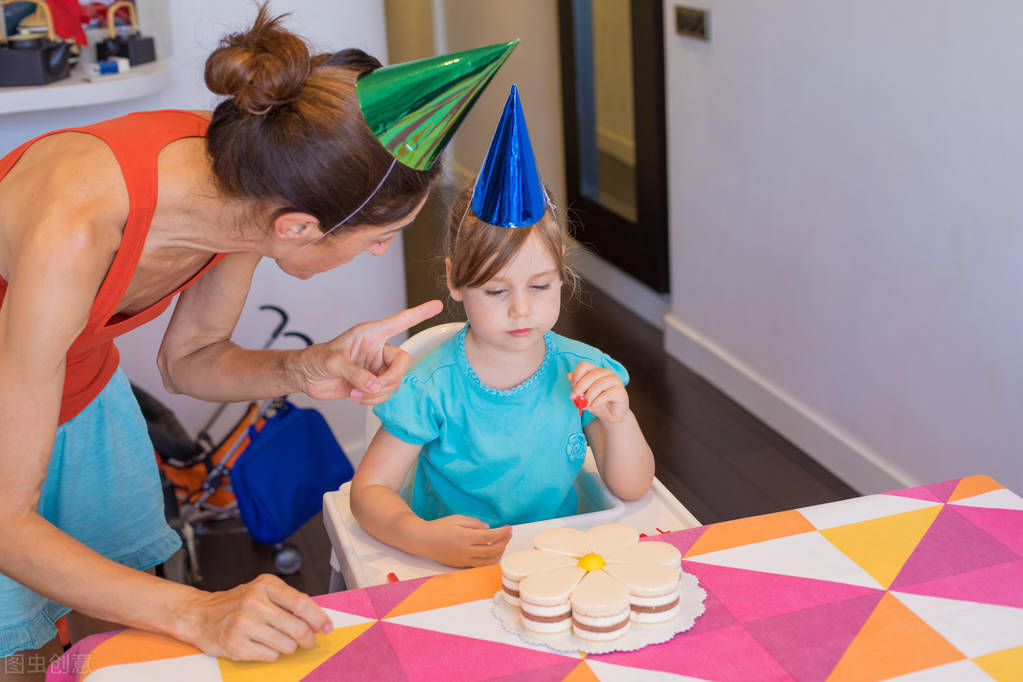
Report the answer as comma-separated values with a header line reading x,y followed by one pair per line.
x,y
807,555
194,667
471,619
858,509
994,499
960,671
609,672
340,619
975,629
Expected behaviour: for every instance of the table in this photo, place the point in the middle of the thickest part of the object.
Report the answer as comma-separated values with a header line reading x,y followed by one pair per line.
x,y
925,583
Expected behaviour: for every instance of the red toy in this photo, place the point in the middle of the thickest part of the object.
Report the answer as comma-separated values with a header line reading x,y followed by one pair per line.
x,y
581,402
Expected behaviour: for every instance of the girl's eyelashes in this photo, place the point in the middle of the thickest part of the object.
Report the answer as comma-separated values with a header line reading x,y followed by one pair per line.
x,y
536,287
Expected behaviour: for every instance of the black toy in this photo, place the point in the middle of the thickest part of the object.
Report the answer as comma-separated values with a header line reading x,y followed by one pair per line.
x,y
33,59
136,48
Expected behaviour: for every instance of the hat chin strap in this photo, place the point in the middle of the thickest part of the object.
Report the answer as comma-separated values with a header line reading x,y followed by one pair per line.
x,y
349,216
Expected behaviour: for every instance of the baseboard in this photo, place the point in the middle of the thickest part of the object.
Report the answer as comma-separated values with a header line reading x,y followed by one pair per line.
x,y
838,451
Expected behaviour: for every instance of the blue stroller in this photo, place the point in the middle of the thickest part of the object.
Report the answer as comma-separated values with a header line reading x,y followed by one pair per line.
x,y
270,471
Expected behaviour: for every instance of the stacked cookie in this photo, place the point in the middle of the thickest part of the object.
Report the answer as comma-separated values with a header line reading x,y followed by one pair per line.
x,y
596,582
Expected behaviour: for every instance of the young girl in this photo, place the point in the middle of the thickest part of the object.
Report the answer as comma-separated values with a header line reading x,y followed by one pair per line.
x,y
491,414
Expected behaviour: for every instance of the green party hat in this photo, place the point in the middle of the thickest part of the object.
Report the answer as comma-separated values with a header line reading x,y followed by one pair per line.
x,y
414,108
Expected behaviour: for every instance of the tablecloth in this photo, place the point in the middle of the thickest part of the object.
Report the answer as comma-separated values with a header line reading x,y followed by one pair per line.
x,y
923,583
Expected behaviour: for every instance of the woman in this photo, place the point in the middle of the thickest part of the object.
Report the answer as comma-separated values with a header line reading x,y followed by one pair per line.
x,y
99,228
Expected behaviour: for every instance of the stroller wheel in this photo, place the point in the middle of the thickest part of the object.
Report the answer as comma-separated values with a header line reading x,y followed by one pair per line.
x,y
287,559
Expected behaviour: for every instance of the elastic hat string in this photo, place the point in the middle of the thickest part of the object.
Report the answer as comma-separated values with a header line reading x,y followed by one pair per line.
x,y
350,215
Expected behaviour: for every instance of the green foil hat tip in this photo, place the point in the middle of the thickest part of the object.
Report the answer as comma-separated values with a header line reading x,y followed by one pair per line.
x,y
414,108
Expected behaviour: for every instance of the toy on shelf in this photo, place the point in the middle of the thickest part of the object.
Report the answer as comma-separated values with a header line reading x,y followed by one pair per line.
x,y
33,58
133,46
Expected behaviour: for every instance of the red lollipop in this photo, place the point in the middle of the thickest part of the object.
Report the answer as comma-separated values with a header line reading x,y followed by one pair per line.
x,y
581,402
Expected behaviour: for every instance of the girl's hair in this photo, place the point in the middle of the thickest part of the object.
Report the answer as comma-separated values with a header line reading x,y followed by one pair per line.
x,y
291,132
479,250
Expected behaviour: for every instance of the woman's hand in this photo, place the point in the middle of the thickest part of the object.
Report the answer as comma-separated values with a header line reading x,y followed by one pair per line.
x,y
605,393
462,541
360,364
257,621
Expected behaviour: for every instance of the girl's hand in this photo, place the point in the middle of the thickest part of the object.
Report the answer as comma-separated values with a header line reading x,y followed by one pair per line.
x,y
360,364
605,393
257,621
462,541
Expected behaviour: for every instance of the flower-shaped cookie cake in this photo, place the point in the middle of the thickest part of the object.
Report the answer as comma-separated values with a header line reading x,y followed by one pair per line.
x,y
597,582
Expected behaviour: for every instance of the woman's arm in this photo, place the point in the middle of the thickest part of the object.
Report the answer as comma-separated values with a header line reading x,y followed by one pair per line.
x,y
456,540
624,459
54,270
198,358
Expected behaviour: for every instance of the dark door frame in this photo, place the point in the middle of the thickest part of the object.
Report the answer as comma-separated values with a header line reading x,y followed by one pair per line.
x,y
640,248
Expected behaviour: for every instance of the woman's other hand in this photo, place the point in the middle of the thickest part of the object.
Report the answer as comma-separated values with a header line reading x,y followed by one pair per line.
x,y
360,364
257,621
462,541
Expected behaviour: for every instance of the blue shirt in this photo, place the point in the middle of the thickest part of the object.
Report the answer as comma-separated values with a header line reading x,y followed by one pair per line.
x,y
504,457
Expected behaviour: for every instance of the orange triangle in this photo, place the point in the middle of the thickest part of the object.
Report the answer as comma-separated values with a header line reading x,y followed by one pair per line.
x,y
728,534
974,485
893,641
448,589
134,646
581,673
1003,665
881,546
296,665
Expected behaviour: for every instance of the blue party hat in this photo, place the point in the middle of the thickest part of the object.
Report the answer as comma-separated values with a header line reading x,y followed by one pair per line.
x,y
508,191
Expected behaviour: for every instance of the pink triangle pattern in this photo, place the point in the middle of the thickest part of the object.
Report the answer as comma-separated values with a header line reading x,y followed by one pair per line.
x,y
951,545
555,673
943,490
79,651
682,540
1001,585
439,656
355,602
367,657
922,492
810,643
1003,524
386,597
724,655
715,616
752,595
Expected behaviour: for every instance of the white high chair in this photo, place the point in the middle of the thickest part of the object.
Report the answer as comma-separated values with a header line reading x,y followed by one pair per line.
x,y
357,559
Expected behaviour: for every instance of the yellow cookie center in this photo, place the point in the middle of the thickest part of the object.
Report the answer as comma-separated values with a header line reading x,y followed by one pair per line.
x,y
591,562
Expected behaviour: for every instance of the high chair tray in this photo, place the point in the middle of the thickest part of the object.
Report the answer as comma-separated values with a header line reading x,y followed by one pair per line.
x,y
363,560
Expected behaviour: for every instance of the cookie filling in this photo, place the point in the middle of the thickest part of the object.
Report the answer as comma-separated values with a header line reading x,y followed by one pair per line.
x,y
546,619
600,628
655,609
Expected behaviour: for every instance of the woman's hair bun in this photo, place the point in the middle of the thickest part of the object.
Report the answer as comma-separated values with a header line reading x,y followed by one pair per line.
x,y
261,68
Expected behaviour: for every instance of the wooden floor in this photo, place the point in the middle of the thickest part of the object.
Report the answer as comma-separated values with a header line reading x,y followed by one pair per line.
x,y
715,457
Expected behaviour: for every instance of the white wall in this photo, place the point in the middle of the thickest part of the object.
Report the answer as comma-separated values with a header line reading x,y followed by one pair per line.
x,y
533,67
846,234
321,307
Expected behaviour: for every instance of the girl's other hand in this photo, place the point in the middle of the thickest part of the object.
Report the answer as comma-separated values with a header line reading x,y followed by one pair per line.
x,y
257,621
360,364
605,393
462,541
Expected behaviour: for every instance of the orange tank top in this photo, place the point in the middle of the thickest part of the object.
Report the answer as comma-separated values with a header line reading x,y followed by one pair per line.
x,y
136,140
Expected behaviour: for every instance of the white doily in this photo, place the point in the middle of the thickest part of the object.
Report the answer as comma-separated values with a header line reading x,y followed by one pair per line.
x,y
691,607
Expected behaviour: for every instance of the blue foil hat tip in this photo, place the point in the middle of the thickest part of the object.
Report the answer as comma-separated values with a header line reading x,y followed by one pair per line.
x,y
508,191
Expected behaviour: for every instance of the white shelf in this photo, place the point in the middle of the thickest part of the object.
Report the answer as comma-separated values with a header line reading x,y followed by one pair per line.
x,y
75,91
